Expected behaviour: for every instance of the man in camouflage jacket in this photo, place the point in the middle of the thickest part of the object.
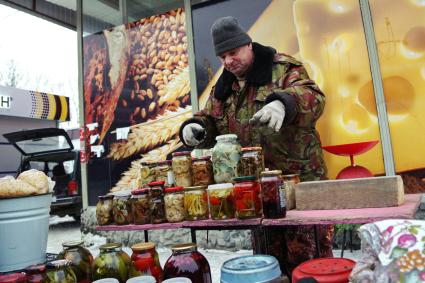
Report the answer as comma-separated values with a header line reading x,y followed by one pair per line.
x,y
267,100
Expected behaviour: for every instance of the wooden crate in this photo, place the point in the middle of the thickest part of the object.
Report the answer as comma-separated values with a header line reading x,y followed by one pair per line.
x,y
350,193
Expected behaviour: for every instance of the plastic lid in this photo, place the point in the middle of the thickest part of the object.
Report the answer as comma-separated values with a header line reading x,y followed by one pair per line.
x,y
110,246
142,279
178,280
327,266
226,137
245,178
194,188
220,186
181,153
203,158
143,246
57,264
105,197
252,148
72,244
125,193
106,280
140,191
183,247
250,269
173,189
156,183
271,173
13,278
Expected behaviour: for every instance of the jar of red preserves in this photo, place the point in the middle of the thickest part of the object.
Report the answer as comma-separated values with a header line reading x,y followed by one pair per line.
x,y
186,261
145,261
273,194
247,197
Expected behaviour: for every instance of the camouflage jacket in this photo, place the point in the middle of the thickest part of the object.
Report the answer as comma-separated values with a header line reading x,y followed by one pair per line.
x,y
296,148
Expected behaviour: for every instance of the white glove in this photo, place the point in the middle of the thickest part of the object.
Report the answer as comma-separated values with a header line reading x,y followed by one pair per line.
x,y
272,113
193,134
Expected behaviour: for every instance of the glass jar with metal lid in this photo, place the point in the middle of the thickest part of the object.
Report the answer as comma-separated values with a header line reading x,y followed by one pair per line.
x,y
174,204
104,210
121,208
145,174
145,260
247,197
80,258
221,201
35,273
202,171
140,206
60,271
252,162
252,268
112,262
273,196
289,181
186,261
182,168
196,203
157,202
225,158
162,170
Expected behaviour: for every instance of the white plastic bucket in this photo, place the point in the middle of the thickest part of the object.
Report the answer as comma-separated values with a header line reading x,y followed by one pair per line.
x,y
24,224
107,280
142,279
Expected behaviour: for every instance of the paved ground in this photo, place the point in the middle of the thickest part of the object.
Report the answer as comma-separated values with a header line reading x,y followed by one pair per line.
x,y
66,229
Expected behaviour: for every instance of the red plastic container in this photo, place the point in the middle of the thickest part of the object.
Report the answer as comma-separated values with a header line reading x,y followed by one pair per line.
x,y
325,270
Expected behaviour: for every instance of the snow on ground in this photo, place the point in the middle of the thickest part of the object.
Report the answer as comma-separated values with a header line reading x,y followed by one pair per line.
x,y
64,229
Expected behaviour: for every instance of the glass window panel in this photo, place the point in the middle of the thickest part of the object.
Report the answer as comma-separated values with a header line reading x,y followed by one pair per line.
x,y
99,15
400,35
138,9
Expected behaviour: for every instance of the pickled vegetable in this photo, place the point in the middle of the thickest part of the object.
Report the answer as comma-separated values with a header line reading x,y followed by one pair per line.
x,y
157,206
122,208
104,210
221,201
247,197
140,206
112,262
182,169
59,271
202,171
225,158
196,203
252,162
81,259
174,204
145,174
145,261
162,171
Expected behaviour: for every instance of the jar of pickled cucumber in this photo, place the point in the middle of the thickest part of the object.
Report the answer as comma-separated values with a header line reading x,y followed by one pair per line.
x,y
202,171
140,206
112,262
80,258
182,168
157,205
174,204
121,208
60,271
225,158
247,197
162,170
252,162
196,203
104,210
221,201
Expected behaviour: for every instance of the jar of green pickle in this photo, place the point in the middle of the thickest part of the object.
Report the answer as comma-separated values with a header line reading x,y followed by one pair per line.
x,y
221,201
104,210
112,262
140,206
196,203
157,206
182,168
81,259
60,271
202,171
121,208
174,204
252,162
225,158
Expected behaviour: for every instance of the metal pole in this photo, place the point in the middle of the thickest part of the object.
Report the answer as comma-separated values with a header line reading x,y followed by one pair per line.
x,y
123,9
384,129
84,190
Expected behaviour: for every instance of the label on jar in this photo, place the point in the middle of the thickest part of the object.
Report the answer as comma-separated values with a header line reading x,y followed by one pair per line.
x,y
170,178
282,196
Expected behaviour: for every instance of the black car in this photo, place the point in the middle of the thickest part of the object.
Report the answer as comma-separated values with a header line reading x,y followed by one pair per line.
x,y
50,150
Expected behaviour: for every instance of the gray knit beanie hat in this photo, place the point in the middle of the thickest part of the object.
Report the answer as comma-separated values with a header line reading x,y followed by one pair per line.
x,y
227,34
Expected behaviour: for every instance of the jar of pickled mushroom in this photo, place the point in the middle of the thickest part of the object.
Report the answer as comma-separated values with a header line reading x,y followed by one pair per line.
x,y
81,259
157,206
182,168
221,201
121,208
145,261
140,206
225,158
112,262
196,203
162,170
247,197
104,210
60,271
174,204
273,195
252,162
202,171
